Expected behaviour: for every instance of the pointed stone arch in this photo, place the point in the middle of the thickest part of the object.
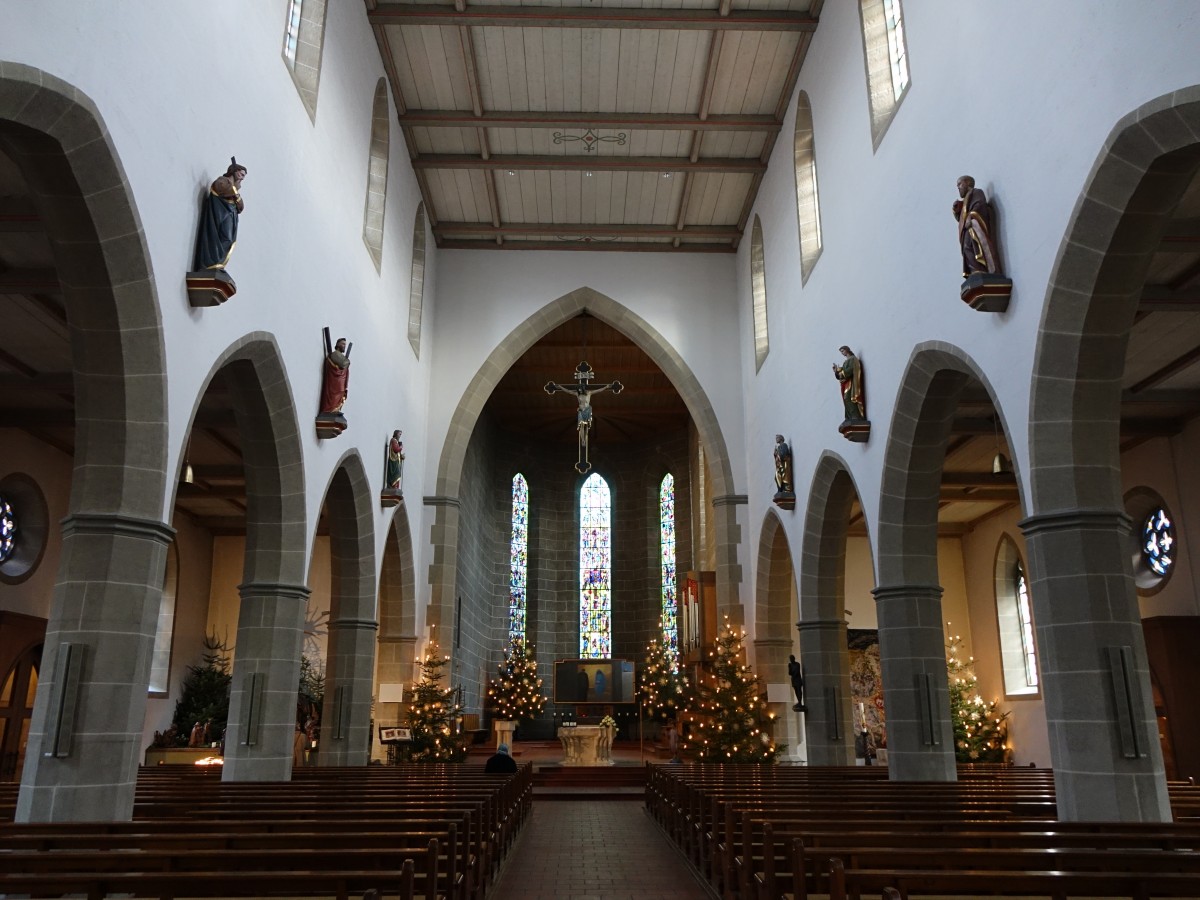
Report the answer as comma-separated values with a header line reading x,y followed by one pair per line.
x,y
908,594
1081,586
397,637
507,351
274,590
774,617
349,501
822,625
58,140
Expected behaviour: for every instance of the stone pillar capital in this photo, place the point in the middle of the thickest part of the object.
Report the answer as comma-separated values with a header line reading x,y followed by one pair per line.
x,y
820,625
117,524
260,589
907,592
1080,518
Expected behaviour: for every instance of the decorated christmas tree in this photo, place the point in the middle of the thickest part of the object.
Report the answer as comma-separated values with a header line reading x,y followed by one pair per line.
x,y
732,721
434,716
205,695
980,732
516,692
662,687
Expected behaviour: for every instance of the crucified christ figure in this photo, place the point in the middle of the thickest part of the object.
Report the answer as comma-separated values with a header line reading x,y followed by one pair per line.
x,y
583,390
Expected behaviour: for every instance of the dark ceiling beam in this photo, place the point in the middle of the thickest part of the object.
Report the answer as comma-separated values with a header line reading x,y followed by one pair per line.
x,y
978,479
209,472
622,246
593,17
1171,369
219,492
1160,298
517,162
1170,397
1000,494
22,417
46,382
483,229
453,118
28,281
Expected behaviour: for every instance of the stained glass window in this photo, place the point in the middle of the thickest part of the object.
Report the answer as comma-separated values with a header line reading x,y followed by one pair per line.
x,y
666,526
8,529
897,51
1158,542
518,558
293,31
1025,616
595,569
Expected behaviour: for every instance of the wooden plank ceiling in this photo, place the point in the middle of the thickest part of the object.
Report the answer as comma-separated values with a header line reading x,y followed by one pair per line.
x,y
640,125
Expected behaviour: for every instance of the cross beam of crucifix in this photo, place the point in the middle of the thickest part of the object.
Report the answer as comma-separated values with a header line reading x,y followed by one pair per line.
x,y
583,389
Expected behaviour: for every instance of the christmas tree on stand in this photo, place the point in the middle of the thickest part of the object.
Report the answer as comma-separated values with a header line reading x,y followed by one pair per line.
x,y
434,716
980,732
662,687
516,693
732,722
205,696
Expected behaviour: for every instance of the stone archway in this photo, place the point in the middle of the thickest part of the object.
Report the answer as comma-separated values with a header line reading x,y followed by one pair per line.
x,y
397,642
774,610
508,350
822,622
345,731
274,592
908,596
85,769
1077,529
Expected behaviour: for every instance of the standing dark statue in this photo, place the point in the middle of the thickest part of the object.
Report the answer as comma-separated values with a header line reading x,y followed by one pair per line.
x,y
219,219
796,674
975,234
785,493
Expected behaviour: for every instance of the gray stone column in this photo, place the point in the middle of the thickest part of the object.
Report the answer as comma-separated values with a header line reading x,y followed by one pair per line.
x,y
1094,674
346,725
916,691
729,570
443,538
266,679
85,738
771,659
829,722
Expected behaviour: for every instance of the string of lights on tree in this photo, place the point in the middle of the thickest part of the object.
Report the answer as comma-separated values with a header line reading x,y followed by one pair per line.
x,y
662,686
980,731
434,716
517,691
732,723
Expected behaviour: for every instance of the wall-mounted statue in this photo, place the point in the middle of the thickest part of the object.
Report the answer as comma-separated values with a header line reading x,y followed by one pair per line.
x,y
785,492
335,388
208,284
393,471
849,373
985,288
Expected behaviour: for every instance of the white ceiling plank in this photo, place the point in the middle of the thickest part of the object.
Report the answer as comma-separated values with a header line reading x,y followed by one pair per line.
x,y
403,65
424,95
589,69
664,70
514,48
528,183
497,60
617,197
484,69
587,205
717,144
503,141
573,195
558,197
552,66
647,66
423,140
445,195
666,200
535,69
777,73
448,68
730,198
508,193
467,199
610,56
604,185
640,201
756,85
726,60
572,61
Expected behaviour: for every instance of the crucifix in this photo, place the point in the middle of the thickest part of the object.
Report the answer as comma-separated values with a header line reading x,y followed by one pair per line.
x,y
583,390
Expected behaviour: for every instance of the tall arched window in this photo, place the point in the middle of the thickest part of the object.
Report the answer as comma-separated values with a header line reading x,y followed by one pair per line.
x,y
808,206
518,558
303,42
416,283
595,569
887,61
377,171
758,289
1014,616
666,530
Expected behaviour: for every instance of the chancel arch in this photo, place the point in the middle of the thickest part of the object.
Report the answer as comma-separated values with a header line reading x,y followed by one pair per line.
x,y
70,173
1147,164
908,593
396,650
823,641
348,516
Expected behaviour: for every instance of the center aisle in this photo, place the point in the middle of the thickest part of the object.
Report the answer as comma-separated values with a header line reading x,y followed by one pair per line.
x,y
610,850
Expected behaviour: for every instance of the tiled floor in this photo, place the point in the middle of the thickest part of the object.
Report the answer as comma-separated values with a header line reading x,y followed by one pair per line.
x,y
612,850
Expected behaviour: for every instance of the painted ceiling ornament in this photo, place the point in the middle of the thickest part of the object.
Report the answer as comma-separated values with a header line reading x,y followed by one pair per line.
x,y
849,373
985,288
590,139
583,390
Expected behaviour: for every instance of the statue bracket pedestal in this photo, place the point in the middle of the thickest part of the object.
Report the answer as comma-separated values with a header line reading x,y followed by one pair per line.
x,y
785,499
856,430
986,293
388,497
209,287
330,425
